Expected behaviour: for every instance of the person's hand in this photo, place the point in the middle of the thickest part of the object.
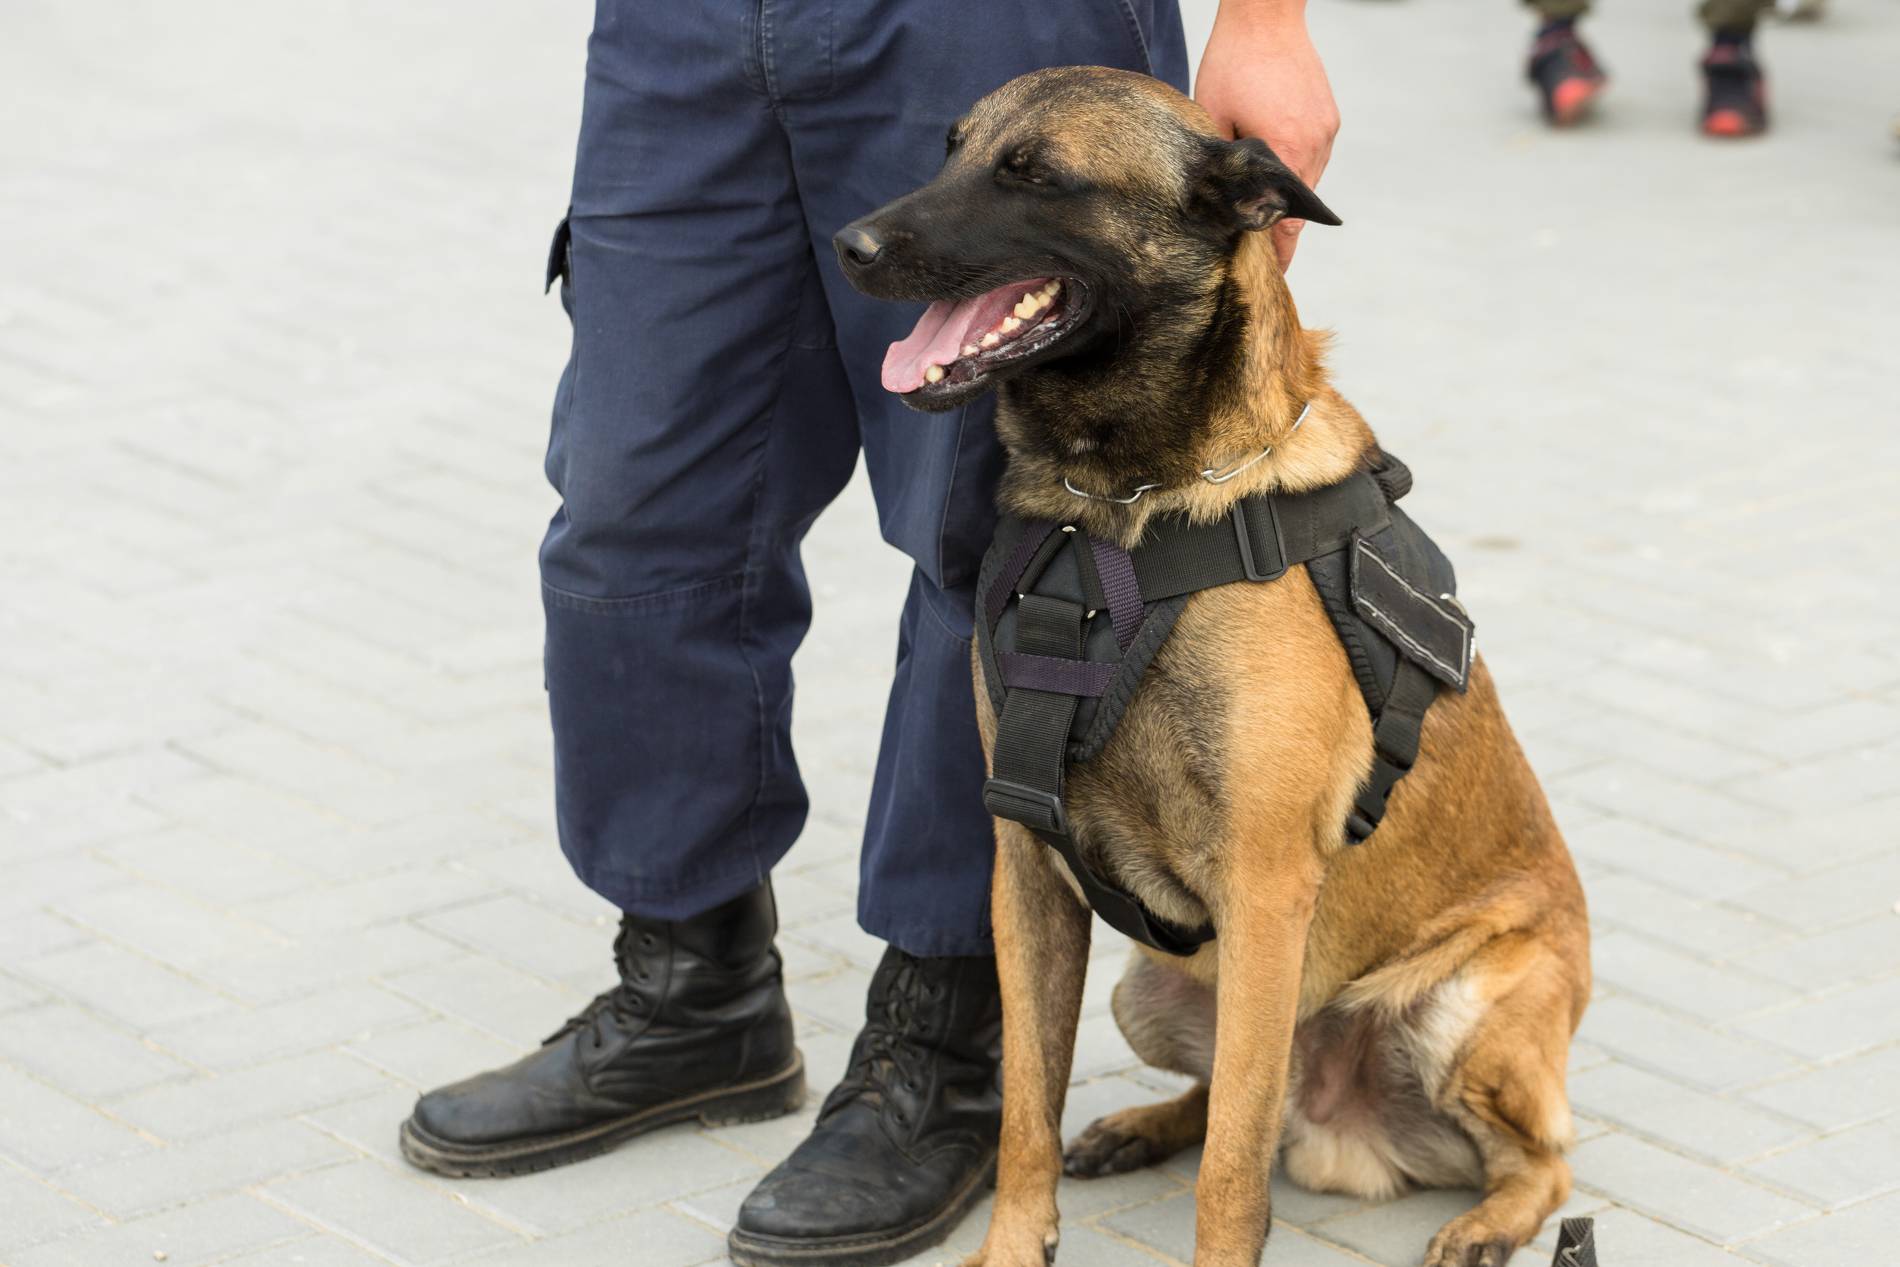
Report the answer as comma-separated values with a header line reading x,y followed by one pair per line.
x,y
1261,76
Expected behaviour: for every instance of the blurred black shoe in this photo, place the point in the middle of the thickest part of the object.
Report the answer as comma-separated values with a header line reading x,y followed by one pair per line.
x,y
906,1143
697,1028
1566,73
1737,100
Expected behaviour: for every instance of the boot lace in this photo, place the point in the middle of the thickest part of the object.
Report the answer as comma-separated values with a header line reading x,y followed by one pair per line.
x,y
623,1005
886,1055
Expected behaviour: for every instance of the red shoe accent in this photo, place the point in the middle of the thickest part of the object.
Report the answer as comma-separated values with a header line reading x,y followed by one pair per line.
x,y
1572,98
1728,123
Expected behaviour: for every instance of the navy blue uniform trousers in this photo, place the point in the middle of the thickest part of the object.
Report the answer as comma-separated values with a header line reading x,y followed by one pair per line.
x,y
722,381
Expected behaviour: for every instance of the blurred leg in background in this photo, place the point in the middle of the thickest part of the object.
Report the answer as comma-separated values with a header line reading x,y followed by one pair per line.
x,y
1562,67
1735,99
1569,78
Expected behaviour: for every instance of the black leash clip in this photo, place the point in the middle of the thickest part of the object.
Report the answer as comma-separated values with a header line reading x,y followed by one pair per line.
x,y
1576,1244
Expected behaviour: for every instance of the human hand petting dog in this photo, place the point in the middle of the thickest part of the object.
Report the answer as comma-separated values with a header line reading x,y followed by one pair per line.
x,y
1261,76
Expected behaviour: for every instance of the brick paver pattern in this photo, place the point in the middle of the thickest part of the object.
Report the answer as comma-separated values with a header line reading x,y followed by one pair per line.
x,y
275,815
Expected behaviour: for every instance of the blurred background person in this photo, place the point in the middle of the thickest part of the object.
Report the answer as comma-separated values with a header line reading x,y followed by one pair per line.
x,y
1569,78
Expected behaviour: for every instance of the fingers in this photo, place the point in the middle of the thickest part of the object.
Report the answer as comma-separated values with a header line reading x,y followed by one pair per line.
x,y
1286,239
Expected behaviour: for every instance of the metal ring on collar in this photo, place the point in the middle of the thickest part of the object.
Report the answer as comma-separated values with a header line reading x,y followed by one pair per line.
x,y
1213,474
1220,475
1129,500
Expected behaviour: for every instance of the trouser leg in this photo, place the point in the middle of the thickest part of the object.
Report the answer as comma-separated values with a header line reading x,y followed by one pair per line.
x,y
1552,10
1733,15
701,424
868,89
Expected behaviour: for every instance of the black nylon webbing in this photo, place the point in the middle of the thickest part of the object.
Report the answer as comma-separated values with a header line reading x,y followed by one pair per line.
x,y
1042,678
1029,761
1201,556
1395,734
1032,732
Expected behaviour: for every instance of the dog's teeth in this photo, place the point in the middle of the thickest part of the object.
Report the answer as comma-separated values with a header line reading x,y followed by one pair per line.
x,y
1026,307
969,349
933,374
1010,325
991,339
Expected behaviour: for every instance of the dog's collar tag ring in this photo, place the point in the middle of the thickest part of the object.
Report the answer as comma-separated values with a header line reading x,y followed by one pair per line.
x,y
1220,475
1213,474
1129,500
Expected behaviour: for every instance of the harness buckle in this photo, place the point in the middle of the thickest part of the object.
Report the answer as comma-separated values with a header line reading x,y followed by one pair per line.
x,y
1032,807
1249,563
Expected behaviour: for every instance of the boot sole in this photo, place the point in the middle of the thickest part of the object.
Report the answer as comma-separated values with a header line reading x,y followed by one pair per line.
x,y
770,1097
871,1249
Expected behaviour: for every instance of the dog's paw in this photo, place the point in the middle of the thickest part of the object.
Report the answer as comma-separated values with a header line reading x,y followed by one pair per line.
x,y
1015,1251
1104,1149
1468,1242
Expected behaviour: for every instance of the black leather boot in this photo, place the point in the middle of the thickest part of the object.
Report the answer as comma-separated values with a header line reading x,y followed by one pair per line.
x,y
906,1143
697,1028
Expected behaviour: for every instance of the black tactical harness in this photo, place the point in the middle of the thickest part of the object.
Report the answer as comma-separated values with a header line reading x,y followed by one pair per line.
x,y
1060,678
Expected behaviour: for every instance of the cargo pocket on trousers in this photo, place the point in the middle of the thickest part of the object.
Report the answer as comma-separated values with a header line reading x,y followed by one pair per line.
x,y
561,259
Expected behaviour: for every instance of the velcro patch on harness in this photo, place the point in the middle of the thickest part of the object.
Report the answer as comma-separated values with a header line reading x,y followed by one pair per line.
x,y
1432,632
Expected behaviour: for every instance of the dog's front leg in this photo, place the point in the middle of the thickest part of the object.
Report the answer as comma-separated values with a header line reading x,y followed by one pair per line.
x,y
1262,924
1042,948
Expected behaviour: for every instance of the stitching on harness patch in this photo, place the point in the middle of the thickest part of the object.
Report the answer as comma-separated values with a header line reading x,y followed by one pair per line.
x,y
1392,626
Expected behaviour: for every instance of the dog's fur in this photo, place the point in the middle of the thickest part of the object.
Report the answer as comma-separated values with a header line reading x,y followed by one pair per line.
x,y
1382,1016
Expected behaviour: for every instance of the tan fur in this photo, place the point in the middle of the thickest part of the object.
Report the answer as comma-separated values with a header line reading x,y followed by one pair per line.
x,y
1394,1014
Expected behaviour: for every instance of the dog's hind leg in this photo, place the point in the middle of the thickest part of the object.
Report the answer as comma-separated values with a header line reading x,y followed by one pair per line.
x,y
1506,1090
1137,1137
1042,947
1167,1017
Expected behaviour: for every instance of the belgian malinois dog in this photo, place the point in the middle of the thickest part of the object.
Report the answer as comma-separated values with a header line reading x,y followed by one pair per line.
x,y
1381,1016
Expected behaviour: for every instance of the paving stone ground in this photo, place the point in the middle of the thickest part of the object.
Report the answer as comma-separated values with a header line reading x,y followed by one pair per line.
x,y
275,846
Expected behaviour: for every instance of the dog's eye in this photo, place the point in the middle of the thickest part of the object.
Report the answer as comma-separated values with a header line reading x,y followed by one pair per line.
x,y
1022,168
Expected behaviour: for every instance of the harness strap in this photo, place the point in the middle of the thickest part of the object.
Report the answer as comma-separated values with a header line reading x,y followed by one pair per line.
x,y
1043,678
1395,734
1030,762
1261,538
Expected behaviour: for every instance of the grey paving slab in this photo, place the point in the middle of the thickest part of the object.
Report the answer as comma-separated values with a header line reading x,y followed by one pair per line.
x,y
1697,1198
322,1018
1862,1234
1839,1024
46,1130
660,1238
1686,1119
1680,1048
1840,1169
82,1054
193,1235
1852,1091
237,1158
393,1214
1683,984
207,1105
36,1211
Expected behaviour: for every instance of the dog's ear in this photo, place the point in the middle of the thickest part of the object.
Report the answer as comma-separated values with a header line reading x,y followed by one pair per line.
x,y
1241,185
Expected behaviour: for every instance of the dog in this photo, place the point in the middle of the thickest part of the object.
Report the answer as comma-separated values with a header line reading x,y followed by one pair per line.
x,y
1378,1017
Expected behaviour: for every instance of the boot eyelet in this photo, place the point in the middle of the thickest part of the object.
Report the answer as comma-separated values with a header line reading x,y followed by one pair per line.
x,y
648,941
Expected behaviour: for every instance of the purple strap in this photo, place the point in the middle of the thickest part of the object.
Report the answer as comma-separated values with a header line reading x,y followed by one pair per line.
x,y
1034,534
1051,673
1121,587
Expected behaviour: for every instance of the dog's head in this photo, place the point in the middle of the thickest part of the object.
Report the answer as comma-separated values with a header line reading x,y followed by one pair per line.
x,y
1079,211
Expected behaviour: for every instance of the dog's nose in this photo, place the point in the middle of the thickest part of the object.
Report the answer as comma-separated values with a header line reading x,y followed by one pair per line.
x,y
858,245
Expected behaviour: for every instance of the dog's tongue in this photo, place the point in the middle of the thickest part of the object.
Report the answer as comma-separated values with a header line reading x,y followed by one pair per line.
x,y
943,330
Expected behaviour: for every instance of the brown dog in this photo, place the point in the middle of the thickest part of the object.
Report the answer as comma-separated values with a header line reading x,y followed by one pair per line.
x,y
1387,1015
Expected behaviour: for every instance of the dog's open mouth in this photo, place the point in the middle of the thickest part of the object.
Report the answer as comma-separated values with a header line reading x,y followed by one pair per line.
x,y
957,341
